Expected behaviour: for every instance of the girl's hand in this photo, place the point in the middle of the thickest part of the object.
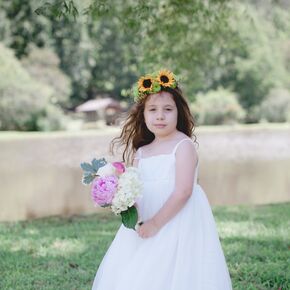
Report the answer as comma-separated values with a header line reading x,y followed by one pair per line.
x,y
147,229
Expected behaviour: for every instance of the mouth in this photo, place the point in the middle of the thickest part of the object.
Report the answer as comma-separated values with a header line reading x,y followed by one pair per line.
x,y
159,125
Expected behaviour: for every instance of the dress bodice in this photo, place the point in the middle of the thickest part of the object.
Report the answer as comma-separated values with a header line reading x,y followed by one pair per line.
x,y
160,167
157,174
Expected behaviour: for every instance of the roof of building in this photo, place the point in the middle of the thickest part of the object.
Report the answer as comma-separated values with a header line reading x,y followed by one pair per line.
x,y
98,104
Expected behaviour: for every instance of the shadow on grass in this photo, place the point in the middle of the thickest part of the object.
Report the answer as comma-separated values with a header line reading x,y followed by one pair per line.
x,y
24,270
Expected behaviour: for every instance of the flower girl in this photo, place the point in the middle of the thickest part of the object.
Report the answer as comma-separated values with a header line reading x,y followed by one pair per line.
x,y
176,246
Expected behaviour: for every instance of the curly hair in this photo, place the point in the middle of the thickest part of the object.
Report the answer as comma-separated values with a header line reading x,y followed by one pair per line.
x,y
135,133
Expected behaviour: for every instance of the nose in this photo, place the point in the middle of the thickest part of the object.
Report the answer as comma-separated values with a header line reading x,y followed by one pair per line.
x,y
160,115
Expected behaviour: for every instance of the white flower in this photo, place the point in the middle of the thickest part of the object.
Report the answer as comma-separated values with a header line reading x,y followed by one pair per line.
x,y
107,170
129,189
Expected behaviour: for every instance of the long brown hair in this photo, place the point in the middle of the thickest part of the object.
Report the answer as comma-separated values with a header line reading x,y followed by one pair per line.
x,y
135,133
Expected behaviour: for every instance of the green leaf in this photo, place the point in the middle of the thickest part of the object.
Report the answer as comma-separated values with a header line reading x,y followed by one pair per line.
x,y
87,179
90,170
156,87
130,217
87,167
98,163
135,91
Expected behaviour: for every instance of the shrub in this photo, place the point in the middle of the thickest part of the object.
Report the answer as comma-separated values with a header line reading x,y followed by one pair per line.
x,y
24,102
276,106
42,64
217,107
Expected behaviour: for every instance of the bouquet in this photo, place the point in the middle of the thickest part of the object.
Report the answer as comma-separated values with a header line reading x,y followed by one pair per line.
x,y
114,186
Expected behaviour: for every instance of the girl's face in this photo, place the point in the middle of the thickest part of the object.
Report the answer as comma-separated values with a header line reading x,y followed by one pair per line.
x,y
160,114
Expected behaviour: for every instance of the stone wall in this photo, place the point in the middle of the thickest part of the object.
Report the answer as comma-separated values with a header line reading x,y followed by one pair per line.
x,y
40,174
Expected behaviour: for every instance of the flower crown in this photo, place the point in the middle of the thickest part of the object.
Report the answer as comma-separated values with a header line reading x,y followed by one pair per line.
x,y
153,83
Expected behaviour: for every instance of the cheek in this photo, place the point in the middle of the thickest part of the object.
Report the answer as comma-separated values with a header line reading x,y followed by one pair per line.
x,y
174,117
146,118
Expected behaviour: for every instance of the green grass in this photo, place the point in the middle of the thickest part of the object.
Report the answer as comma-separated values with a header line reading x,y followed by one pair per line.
x,y
64,253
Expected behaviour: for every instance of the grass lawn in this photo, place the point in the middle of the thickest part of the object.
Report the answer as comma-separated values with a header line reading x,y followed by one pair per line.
x,y
64,253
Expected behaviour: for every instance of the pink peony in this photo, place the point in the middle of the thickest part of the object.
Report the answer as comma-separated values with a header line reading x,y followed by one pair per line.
x,y
120,168
103,190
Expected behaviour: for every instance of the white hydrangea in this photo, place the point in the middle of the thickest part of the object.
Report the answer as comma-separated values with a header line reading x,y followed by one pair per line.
x,y
129,189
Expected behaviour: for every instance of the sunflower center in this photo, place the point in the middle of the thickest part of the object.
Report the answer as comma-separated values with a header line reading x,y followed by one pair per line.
x,y
147,83
164,79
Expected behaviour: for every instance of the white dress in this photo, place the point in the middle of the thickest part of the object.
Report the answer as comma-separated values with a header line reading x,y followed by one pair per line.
x,y
185,254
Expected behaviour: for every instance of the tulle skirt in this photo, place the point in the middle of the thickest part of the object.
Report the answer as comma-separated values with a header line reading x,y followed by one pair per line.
x,y
185,254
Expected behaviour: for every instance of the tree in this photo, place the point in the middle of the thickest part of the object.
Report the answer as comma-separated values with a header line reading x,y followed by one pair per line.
x,y
147,35
104,46
25,104
258,62
19,27
43,65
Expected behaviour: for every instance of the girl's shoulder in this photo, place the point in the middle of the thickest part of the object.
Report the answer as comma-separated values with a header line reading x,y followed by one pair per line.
x,y
185,143
186,150
182,138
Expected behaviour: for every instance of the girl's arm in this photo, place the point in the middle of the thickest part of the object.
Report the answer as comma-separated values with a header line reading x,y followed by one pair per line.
x,y
186,161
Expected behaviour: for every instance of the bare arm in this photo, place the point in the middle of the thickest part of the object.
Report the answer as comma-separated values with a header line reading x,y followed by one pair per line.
x,y
186,161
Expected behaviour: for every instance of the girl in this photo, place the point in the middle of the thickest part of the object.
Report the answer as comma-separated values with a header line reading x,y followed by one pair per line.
x,y
176,247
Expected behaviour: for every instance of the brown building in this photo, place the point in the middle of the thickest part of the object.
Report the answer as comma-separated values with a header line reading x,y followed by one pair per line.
x,y
106,109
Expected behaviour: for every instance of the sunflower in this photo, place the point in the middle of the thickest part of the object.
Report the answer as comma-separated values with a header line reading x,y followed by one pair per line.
x,y
145,84
166,78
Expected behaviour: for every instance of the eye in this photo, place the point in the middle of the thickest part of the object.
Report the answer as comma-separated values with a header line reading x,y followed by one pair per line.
x,y
152,110
168,109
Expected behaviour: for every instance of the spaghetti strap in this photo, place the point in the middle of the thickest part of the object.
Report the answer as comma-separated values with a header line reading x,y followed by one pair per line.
x,y
138,153
176,146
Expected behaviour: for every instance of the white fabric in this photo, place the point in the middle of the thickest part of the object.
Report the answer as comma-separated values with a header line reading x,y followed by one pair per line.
x,y
185,254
